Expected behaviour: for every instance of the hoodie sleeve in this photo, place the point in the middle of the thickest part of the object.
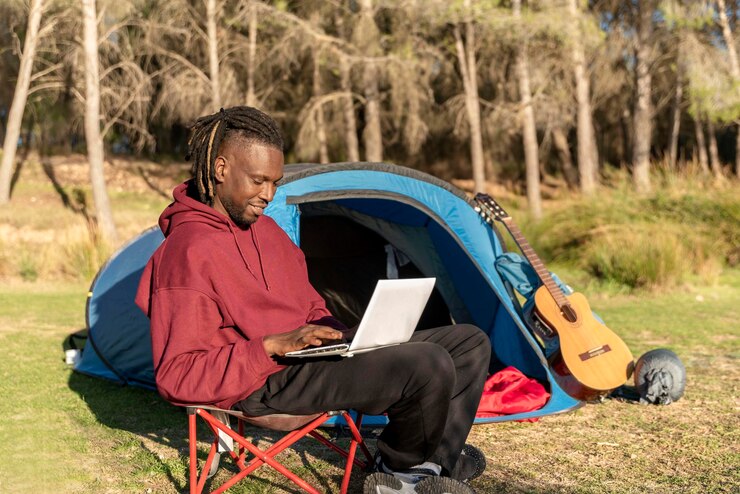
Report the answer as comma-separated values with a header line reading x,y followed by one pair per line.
x,y
188,367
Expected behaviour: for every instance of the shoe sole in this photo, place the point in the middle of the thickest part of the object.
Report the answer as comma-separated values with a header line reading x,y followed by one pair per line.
x,y
383,483
480,461
443,485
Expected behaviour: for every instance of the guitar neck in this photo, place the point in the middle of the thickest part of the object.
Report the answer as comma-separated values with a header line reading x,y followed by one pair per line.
x,y
536,262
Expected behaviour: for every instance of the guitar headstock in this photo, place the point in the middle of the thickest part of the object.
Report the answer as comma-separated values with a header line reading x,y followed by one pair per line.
x,y
489,209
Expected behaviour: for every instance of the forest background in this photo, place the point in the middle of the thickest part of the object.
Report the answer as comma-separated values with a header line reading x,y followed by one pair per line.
x,y
573,90
537,101
608,129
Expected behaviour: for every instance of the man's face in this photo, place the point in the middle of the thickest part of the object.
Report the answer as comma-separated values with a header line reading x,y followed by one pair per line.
x,y
246,177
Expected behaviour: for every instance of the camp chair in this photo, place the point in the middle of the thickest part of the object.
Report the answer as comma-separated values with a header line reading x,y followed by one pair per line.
x,y
297,426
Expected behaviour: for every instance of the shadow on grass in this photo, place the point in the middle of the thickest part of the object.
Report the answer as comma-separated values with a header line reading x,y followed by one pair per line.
x,y
16,174
138,411
145,414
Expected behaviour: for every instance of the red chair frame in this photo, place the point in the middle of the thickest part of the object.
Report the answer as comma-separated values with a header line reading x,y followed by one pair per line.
x,y
298,427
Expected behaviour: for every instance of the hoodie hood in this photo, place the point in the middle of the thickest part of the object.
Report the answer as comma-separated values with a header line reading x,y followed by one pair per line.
x,y
186,208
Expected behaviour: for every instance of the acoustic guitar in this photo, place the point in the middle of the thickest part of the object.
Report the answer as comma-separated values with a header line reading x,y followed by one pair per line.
x,y
591,360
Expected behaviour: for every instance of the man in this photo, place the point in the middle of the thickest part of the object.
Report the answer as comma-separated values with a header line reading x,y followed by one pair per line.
x,y
228,296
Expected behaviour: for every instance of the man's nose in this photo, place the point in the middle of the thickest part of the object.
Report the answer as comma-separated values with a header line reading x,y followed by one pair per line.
x,y
268,191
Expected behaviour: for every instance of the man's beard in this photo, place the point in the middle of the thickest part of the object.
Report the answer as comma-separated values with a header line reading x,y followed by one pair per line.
x,y
236,214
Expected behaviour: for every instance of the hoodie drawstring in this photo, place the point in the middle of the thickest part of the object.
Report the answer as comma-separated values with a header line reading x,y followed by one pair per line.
x,y
244,258
241,253
256,241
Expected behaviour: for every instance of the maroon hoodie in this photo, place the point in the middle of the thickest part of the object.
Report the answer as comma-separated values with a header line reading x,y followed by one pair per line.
x,y
212,292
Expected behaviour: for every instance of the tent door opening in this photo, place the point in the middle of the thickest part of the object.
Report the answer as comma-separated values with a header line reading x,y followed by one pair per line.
x,y
346,259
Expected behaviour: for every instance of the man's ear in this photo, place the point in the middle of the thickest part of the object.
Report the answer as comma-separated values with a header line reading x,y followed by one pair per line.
x,y
220,167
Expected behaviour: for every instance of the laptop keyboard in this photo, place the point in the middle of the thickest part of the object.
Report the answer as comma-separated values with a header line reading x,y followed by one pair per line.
x,y
324,349
319,349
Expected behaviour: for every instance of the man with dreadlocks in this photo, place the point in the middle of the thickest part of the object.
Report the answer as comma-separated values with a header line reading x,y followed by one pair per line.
x,y
228,296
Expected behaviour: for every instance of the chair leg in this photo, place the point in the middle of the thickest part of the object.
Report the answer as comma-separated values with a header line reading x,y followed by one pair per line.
x,y
262,457
355,429
357,440
192,442
350,455
197,482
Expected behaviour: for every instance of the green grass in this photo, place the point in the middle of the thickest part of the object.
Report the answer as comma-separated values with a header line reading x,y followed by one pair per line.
x,y
65,432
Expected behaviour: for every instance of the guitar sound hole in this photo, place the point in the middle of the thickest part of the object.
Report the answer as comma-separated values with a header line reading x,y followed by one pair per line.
x,y
569,314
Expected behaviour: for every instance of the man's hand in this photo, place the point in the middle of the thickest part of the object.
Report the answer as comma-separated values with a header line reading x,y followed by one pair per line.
x,y
298,339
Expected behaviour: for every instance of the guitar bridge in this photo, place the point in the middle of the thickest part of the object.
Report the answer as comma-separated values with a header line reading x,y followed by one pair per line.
x,y
595,352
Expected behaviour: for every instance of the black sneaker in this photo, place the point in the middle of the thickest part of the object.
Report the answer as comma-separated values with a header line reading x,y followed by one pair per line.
x,y
470,465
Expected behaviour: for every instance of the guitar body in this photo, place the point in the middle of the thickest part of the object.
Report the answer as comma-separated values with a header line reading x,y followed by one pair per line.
x,y
592,360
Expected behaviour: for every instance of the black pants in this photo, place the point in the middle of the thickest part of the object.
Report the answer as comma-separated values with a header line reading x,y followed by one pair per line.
x,y
430,388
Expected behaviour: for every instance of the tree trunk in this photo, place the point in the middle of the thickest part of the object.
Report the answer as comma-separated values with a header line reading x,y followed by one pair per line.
x,y
729,41
372,134
469,74
529,129
320,126
643,123
675,124
732,52
701,147
93,138
252,56
15,116
560,141
627,138
213,64
348,109
588,154
347,102
713,150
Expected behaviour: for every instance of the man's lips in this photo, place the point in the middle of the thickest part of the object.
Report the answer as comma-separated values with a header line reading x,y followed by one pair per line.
x,y
258,209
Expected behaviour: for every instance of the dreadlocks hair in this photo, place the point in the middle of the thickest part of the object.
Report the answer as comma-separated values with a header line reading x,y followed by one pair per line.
x,y
209,132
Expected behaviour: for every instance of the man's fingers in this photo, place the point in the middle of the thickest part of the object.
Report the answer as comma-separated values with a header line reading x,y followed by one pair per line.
x,y
328,333
312,340
322,332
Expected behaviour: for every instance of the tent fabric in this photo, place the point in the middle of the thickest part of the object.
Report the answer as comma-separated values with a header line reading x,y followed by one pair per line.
x,y
522,276
118,343
345,216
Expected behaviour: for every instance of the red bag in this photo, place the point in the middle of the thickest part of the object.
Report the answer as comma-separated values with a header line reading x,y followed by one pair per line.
x,y
508,392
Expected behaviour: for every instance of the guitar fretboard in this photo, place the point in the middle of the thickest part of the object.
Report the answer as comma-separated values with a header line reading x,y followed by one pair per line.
x,y
536,263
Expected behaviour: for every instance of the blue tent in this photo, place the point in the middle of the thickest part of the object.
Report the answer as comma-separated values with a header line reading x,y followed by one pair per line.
x,y
365,221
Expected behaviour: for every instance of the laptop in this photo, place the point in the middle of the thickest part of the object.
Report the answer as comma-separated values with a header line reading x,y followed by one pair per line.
x,y
390,319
